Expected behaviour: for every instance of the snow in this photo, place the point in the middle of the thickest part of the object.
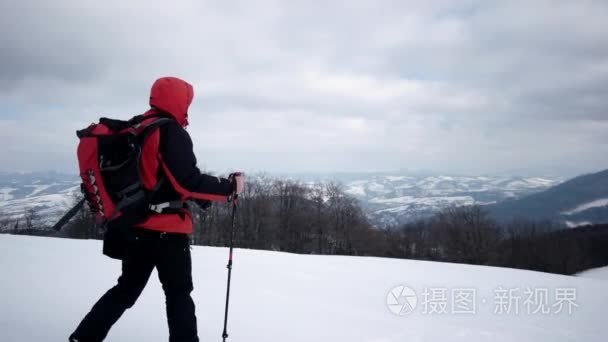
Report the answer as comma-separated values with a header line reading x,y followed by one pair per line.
x,y
602,202
541,182
404,186
403,199
430,201
75,188
54,200
572,224
510,194
49,284
38,188
600,273
47,207
356,190
517,184
396,178
5,194
377,187
530,183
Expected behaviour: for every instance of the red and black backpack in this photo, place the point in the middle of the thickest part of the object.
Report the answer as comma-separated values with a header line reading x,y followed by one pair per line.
x,y
108,156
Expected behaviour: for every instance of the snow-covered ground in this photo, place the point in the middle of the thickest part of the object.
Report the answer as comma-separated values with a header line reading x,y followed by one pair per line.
x,y
49,284
600,273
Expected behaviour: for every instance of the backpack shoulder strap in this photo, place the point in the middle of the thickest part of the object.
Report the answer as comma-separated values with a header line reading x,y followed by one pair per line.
x,y
144,129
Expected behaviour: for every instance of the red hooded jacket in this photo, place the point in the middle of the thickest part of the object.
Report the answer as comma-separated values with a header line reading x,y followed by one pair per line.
x,y
168,153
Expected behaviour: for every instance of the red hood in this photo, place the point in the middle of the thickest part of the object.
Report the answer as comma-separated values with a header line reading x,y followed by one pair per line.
x,y
173,96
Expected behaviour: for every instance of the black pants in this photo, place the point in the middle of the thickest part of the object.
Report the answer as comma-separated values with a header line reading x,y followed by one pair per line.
x,y
170,254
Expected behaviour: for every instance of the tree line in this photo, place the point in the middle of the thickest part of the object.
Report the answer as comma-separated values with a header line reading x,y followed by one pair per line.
x,y
468,235
290,216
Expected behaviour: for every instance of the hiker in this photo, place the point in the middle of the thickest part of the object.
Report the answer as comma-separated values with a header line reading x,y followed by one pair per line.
x,y
161,240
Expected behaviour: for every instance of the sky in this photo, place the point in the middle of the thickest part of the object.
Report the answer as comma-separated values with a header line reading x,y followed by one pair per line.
x,y
462,87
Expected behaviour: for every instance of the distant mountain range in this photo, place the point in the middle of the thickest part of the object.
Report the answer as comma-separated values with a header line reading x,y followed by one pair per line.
x,y
396,199
579,201
388,199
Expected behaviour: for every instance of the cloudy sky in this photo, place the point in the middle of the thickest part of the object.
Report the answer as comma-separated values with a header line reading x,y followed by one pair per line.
x,y
283,86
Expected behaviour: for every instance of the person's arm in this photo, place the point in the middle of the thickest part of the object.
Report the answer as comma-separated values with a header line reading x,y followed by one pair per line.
x,y
179,165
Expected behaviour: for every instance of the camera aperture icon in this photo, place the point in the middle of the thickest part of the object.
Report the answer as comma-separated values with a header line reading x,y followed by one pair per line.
x,y
401,300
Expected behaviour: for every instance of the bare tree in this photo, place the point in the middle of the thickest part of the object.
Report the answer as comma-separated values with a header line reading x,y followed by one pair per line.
x,y
5,221
317,196
83,225
465,234
31,219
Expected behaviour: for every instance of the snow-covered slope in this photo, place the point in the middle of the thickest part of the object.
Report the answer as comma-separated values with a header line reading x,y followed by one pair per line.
x,y
49,284
48,195
602,202
600,273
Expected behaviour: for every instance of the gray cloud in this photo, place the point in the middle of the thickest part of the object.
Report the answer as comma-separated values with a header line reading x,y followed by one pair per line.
x,y
471,86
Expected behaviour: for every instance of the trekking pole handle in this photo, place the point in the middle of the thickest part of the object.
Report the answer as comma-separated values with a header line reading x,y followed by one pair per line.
x,y
236,179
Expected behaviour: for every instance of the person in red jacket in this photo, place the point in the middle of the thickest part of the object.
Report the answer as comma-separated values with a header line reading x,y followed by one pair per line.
x,y
161,240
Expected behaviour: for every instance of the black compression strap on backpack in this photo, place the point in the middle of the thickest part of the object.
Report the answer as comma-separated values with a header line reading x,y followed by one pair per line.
x,y
154,124
138,196
126,192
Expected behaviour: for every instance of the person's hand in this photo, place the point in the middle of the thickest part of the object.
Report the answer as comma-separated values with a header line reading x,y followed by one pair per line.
x,y
237,179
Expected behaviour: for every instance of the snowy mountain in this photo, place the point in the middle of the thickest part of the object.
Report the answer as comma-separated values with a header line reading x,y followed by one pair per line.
x,y
48,195
288,297
392,199
578,201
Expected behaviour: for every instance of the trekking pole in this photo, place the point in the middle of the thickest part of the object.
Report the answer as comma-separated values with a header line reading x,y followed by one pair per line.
x,y
68,216
229,266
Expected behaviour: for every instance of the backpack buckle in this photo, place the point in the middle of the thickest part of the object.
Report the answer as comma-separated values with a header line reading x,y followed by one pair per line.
x,y
161,208
158,208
